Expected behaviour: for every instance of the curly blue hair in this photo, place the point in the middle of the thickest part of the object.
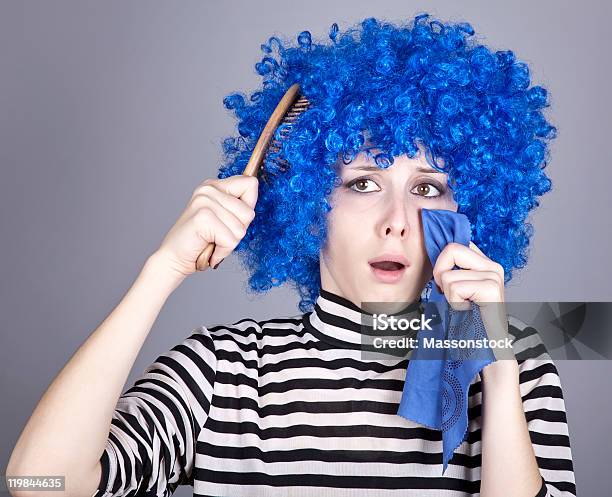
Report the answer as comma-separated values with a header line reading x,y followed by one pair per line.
x,y
387,86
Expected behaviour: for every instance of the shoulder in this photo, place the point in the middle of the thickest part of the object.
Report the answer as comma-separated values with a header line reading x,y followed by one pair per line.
x,y
248,330
526,341
537,370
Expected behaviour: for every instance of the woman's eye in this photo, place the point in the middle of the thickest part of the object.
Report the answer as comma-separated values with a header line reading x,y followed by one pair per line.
x,y
424,190
361,185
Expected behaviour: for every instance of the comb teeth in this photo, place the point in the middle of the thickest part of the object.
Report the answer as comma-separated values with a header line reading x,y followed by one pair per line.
x,y
296,109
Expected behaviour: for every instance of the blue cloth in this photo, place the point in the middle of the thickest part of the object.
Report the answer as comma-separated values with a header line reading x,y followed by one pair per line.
x,y
437,380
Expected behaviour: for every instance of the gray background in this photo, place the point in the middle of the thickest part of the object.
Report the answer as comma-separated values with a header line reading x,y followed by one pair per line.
x,y
111,113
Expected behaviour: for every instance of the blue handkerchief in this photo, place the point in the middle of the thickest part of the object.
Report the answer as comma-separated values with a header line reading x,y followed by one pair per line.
x,y
437,380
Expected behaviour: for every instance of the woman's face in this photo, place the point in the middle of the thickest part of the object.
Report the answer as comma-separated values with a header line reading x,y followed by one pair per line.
x,y
376,214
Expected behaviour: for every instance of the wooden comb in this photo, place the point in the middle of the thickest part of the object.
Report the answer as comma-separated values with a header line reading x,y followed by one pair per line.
x,y
291,105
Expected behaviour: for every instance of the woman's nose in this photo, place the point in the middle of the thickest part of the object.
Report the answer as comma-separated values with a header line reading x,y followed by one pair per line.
x,y
395,222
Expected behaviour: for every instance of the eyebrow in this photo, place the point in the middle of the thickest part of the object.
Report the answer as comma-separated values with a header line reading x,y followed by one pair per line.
x,y
419,169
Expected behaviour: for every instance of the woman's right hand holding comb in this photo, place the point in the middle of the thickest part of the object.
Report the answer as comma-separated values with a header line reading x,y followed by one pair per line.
x,y
56,440
219,212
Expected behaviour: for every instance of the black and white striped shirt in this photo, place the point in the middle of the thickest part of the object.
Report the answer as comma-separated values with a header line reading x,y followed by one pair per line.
x,y
289,407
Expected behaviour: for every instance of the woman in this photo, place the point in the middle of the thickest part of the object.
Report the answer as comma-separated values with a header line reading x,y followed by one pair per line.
x,y
421,119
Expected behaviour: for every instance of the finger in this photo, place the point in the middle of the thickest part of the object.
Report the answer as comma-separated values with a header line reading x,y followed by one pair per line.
x,y
457,295
473,246
241,186
228,218
498,268
236,206
457,254
212,229
452,275
462,293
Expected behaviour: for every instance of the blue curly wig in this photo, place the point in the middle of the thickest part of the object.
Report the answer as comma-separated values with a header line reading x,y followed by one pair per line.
x,y
389,87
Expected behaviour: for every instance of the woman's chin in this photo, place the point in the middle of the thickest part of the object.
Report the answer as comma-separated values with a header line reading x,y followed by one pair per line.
x,y
376,292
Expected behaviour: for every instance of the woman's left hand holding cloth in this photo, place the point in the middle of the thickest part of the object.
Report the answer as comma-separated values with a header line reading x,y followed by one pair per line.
x,y
509,466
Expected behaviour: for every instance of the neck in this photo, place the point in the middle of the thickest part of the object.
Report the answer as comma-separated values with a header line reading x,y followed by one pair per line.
x,y
342,322
370,307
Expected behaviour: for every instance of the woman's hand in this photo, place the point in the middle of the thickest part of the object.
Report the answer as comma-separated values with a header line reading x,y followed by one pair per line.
x,y
219,211
479,280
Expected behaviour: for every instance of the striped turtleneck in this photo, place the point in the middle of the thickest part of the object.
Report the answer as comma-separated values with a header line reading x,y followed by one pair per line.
x,y
342,323
289,406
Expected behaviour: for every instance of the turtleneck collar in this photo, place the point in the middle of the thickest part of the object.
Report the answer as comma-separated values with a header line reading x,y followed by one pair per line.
x,y
338,321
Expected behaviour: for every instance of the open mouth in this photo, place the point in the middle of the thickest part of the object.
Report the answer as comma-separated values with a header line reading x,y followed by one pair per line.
x,y
387,265
387,271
